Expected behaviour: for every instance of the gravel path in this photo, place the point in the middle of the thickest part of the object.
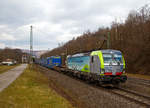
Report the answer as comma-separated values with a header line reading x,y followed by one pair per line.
x,y
8,77
86,95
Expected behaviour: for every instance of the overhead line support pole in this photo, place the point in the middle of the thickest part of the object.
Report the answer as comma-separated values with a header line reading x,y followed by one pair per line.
x,y
108,40
31,44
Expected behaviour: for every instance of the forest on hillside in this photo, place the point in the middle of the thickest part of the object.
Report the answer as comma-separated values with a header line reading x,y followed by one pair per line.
x,y
132,37
8,53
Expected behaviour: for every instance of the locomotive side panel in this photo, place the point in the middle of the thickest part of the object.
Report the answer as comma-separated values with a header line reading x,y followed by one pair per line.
x,y
80,63
95,65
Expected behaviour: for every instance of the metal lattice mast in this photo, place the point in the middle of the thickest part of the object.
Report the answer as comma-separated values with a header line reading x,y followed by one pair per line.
x,y
31,43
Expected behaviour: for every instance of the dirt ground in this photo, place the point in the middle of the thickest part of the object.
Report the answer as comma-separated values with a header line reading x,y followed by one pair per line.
x,y
82,95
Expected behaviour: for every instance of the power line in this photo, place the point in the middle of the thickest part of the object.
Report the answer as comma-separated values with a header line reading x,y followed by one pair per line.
x,y
42,32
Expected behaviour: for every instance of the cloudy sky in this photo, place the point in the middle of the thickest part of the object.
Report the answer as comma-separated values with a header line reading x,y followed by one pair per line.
x,y
56,21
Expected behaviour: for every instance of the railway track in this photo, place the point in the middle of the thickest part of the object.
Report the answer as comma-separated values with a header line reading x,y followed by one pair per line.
x,y
140,81
133,96
127,94
124,93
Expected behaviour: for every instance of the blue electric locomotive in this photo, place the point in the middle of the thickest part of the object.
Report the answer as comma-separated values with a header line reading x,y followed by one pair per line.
x,y
53,61
50,62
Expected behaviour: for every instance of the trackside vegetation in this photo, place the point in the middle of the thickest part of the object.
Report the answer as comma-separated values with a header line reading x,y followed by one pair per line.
x,y
31,90
5,68
139,76
131,36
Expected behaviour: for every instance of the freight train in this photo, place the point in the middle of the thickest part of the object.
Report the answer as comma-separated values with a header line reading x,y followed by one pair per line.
x,y
102,66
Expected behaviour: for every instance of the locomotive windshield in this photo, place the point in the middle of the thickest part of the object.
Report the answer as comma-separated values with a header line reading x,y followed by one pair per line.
x,y
107,58
118,58
112,58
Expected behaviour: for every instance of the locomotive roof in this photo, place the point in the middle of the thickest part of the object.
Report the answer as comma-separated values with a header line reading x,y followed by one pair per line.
x,y
79,54
103,51
110,51
53,57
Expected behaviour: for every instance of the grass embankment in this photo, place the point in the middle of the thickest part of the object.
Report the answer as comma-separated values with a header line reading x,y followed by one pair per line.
x,y
147,77
4,68
31,90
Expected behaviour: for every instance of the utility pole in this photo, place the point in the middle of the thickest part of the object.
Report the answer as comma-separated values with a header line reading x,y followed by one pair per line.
x,y
31,44
108,40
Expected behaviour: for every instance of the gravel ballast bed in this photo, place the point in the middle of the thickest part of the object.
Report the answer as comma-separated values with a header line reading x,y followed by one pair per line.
x,y
83,95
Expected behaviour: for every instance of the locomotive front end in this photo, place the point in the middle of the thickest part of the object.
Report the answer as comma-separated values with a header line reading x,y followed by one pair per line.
x,y
114,66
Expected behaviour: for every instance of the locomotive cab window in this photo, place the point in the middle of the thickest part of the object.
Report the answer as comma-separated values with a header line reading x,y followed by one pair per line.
x,y
118,58
108,58
92,59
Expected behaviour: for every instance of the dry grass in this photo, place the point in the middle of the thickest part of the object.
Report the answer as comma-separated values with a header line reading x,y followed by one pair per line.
x,y
4,68
138,76
31,90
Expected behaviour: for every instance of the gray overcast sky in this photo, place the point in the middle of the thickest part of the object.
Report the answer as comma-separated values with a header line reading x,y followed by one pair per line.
x,y
56,21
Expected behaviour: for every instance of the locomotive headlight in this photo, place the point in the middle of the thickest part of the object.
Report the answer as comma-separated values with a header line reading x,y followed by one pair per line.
x,y
102,71
123,71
